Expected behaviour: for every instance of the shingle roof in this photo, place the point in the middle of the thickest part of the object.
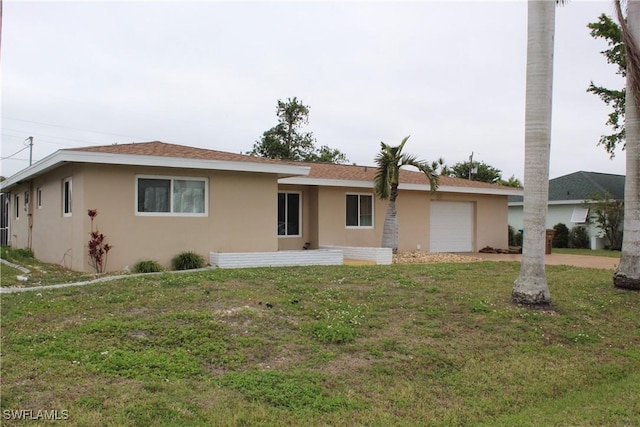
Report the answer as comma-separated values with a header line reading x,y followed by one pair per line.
x,y
318,170
163,149
583,185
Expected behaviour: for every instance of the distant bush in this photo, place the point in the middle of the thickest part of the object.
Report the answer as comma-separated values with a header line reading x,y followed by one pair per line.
x,y
561,237
187,261
147,266
579,238
512,235
517,239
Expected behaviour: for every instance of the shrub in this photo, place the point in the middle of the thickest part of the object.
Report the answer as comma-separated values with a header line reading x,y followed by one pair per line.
x,y
517,239
98,248
512,236
187,261
579,238
147,266
561,237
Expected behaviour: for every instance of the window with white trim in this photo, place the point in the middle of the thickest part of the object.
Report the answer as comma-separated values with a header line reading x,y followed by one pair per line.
x,y
17,200
289,207
67,192
171,196
359,210
39,197
579,214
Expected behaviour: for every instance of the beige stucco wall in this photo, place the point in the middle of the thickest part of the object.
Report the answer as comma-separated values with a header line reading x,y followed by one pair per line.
x,y
242,217
490,226
242,211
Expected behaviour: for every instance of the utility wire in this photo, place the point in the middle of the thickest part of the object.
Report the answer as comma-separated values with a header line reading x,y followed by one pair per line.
x,y
8,157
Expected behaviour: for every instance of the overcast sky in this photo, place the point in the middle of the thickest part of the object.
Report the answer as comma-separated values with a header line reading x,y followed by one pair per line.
x,y
209,74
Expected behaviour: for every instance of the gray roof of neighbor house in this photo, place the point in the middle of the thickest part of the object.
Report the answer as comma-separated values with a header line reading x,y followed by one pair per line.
x,y
583,185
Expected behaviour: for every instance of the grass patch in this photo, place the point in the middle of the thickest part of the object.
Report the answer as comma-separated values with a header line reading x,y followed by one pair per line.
x,y
41,273
587,252
437,344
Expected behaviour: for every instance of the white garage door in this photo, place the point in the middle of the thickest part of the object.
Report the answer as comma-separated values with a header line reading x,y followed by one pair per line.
x,y
451,227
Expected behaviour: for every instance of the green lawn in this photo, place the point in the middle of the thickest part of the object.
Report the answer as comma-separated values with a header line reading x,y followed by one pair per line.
x,y
587,252
432,345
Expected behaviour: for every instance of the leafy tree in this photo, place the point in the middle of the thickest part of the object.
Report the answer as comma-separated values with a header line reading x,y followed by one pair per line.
x,y
627,275
606,28
389,161
511,182
286,140
608,215
480,171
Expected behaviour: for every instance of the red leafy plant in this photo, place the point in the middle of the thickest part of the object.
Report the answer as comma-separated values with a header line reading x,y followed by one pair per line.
x,y
98,248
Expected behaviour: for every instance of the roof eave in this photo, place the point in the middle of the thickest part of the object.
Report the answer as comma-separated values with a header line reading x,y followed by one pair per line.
x,y
403,186
69,156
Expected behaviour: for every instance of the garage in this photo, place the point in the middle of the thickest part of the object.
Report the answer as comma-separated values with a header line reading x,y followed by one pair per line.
x,y
451,227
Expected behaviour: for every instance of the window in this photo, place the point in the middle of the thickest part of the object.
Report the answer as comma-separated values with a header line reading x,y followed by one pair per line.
x,y
39,197
17,200
66,197
171,196
288,214
359,210
579,214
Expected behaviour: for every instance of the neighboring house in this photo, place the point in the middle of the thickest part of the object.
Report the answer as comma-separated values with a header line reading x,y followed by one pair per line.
x,y
155,200
567,196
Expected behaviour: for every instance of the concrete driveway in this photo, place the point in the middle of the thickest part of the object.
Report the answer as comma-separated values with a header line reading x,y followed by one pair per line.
x,y
559,259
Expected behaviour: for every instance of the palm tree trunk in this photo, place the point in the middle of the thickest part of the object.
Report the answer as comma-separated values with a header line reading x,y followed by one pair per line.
x,y
531,287
390,228
627,274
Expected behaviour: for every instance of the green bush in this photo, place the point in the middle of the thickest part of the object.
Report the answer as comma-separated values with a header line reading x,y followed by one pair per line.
x,y
579,238
187,261
517,239
147,266
561,237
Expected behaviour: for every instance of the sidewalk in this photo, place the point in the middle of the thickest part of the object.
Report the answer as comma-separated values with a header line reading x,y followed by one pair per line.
x,y
558,259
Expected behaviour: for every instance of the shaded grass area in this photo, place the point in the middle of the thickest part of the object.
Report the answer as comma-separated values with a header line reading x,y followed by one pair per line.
x,y
436,344
587,252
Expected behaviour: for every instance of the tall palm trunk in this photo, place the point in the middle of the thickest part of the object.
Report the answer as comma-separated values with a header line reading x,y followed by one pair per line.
x,y
531,285
390,227
627,274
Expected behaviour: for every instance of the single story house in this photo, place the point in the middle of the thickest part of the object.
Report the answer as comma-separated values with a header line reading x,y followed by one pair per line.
x,y
567,197
155,200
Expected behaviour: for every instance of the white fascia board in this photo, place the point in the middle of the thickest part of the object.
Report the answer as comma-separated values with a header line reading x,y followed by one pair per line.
x,y
557,202
322,182
467,190
59,157
416,187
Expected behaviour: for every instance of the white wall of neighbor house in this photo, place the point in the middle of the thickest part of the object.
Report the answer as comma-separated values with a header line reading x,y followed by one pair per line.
x,y
561,213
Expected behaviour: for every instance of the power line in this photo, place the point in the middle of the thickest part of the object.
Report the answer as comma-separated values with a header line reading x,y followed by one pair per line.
x,y
19,151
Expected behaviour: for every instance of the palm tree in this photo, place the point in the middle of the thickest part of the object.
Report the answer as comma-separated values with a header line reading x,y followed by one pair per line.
x,y
390,160
531,287
627,275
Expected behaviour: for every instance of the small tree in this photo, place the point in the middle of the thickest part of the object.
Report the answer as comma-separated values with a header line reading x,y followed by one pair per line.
x,y
287,141
561,236
98,248
608,215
